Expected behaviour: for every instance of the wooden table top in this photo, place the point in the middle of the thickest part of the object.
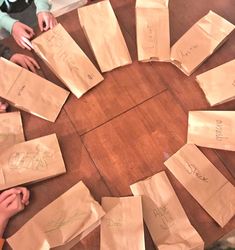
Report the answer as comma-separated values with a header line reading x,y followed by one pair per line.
x,y
124,129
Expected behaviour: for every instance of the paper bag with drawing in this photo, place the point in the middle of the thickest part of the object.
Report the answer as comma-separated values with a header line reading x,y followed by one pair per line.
x,y
218,84
200,41
164,216
204,182
30,92
212,129
104,35
122,226
11,129
65,58
30,161
152,30
66,218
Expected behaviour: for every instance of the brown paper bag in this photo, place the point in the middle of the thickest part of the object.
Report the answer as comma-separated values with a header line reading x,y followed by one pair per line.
x,y
212,129
218,84
30,161
104,35
122,226
164,216
11,129
152,30
204,182
200,41
65,58
30,92
61,221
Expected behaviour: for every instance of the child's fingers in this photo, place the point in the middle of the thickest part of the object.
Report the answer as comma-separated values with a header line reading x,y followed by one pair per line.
x,y
23,64
40,24
51,24
9,200
29,30
7,193
25,45
47,23
30,66
25,193
20,44
54,22
34,62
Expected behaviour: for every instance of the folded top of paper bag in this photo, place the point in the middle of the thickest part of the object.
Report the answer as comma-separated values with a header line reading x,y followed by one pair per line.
x,y
200,41
11,129
215,26
218,83
108,43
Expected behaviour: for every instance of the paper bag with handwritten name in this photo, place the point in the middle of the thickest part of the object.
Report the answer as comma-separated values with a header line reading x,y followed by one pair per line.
x,y
63,220
11,129
152,30
30,92
164,216
212,129
65,58
200,41
122,226
30,161
218,84
204,182
102,30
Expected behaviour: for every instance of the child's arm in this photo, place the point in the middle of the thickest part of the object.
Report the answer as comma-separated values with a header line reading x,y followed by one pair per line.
x,y
6,22
42,5
46,20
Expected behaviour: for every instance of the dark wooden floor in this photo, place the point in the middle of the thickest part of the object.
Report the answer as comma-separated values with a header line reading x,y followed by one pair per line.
x,y
126,127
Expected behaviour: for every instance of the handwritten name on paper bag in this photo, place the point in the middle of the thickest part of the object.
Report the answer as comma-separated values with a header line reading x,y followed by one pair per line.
x,y
219,131
150,36
36,160
63,219
193,170
58,41
55,40
167,221
188,52
117,223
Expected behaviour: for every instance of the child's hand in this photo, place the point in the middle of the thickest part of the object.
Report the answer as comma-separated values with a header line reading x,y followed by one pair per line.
x,y
25,62
46,21
10,204
22,34
25,195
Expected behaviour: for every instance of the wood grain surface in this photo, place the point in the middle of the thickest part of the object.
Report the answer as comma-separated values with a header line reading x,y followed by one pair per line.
x,y
125,128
